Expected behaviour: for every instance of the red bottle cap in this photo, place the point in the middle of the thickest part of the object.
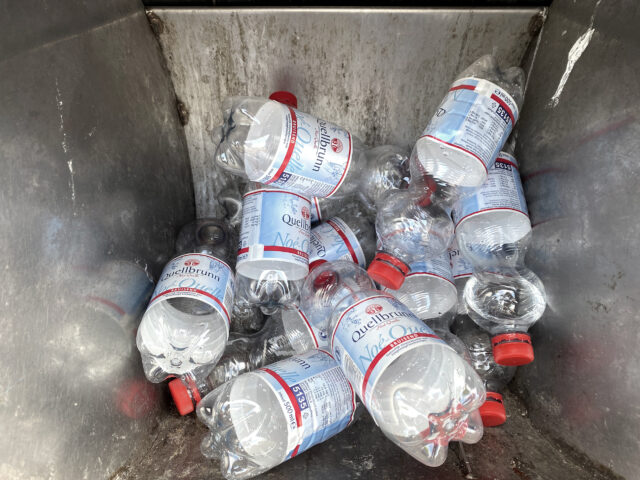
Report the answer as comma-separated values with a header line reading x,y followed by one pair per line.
x,y
512,349
285,97
181,397
388,271
492,410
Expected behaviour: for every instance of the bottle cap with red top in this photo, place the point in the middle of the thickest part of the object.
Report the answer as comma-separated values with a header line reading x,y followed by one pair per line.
x,y
181,396
492,410
388,271
512,349
285,97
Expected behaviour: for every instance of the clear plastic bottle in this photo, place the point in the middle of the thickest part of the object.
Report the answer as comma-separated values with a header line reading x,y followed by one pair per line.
x,y
286,333
349,236
246,319
462,270
263,418
186,325
495,377
273,251
407,232
387,168
460,143
428,291
419,391
273,144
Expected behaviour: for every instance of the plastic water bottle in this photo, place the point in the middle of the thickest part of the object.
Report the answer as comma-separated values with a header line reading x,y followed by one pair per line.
x,y
263,418
246,319
493,231
461,270
286,333
495,377
428,291
186,325
277,145
387,168
419,391
460,143
407,233
349,236
273,251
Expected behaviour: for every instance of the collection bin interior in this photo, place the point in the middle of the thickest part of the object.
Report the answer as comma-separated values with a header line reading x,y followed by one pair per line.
x,y
106,149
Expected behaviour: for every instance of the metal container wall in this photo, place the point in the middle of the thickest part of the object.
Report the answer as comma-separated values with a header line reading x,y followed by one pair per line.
x,y
89,136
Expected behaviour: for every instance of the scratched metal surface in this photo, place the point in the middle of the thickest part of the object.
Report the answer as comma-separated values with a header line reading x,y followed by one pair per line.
x,y
95,177
578,143
381,73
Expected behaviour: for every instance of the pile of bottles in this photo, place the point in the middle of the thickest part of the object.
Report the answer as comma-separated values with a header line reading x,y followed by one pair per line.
x,y
335,283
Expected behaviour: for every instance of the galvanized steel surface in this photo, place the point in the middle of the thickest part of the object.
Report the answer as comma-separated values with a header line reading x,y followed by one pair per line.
x,y
380,73
578,146
95,177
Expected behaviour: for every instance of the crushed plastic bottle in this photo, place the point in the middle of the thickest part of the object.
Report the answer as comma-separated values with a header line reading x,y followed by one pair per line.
x,y
387,168
263,418
273,251
407,233
460,143
186,325
285,334
495,377
428,291
419,391
461,270
273,144
350,236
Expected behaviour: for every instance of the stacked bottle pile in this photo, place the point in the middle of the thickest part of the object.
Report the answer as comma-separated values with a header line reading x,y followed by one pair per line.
x,y
318,208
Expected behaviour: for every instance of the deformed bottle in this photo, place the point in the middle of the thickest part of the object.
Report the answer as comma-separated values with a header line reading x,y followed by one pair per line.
x,y
286,333
266,417
387,168
419,391
461,270
186,325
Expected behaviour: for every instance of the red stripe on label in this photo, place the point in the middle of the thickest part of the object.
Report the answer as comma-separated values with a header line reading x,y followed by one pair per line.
x,y
344,238
431,275
504,106
488,210
202,255
274,248
335,329
292,399
463,87
315,202
292,144
194,290
313,335
459,148
385,351
276,191
344,172
507,161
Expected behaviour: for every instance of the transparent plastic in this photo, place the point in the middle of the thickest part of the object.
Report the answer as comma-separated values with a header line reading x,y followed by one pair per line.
x,y
407,233
350,235
254,139
462,270
483,101
387,168
425,396
250,431
428,290
183,330
284,334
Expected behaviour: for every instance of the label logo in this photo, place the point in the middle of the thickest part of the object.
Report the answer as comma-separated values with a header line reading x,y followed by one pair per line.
x,y
305,213
440,112
373,309
336,145
192,263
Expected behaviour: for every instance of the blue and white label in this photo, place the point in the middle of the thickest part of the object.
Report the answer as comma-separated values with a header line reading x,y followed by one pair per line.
x,y
198,276
460,266
475,116
502,191
275,225
316,398
313,155
439,266
372,333
334,240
